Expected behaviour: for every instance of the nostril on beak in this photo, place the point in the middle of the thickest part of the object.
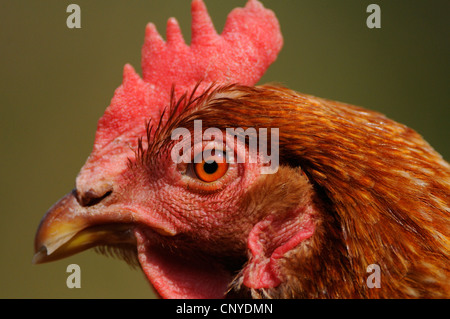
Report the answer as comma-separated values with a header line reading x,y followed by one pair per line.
x,y
90,197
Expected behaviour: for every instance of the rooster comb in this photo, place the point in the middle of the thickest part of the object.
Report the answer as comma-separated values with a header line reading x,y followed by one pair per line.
x,y
249,43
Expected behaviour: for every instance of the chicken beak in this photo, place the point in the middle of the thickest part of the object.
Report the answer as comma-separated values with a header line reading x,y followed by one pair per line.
x,y
68,228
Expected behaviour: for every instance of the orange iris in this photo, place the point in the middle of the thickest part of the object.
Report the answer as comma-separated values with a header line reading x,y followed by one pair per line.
x,y
211,168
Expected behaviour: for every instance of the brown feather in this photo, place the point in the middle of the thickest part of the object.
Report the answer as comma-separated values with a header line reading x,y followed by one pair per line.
x,y
383,190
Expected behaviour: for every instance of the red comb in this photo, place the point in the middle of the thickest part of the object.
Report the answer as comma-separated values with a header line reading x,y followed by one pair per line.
x,y
249,43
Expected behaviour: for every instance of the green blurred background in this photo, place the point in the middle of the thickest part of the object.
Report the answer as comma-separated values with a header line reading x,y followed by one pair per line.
x,y
56,82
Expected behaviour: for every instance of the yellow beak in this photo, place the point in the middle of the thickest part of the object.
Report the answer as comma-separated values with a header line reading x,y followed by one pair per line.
x,y
69,228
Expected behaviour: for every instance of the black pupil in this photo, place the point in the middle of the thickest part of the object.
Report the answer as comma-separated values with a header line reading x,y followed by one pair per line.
x,y
210,167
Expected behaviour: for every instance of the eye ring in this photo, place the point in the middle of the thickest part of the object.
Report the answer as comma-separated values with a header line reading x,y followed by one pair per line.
x,y
211,168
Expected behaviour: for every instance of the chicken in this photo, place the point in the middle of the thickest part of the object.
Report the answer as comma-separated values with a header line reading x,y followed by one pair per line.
x,y
349,188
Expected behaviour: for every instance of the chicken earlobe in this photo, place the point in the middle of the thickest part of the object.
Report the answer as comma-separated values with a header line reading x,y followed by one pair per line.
x,y
270,240
290,221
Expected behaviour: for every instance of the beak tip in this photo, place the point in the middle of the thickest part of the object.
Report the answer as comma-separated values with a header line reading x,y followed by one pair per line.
x,y
40,256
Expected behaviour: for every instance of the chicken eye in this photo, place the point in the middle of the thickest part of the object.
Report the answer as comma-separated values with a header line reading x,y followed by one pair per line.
x,y
211,168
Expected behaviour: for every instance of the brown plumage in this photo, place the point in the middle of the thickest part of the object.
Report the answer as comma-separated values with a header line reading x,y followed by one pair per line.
x,y
382,192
